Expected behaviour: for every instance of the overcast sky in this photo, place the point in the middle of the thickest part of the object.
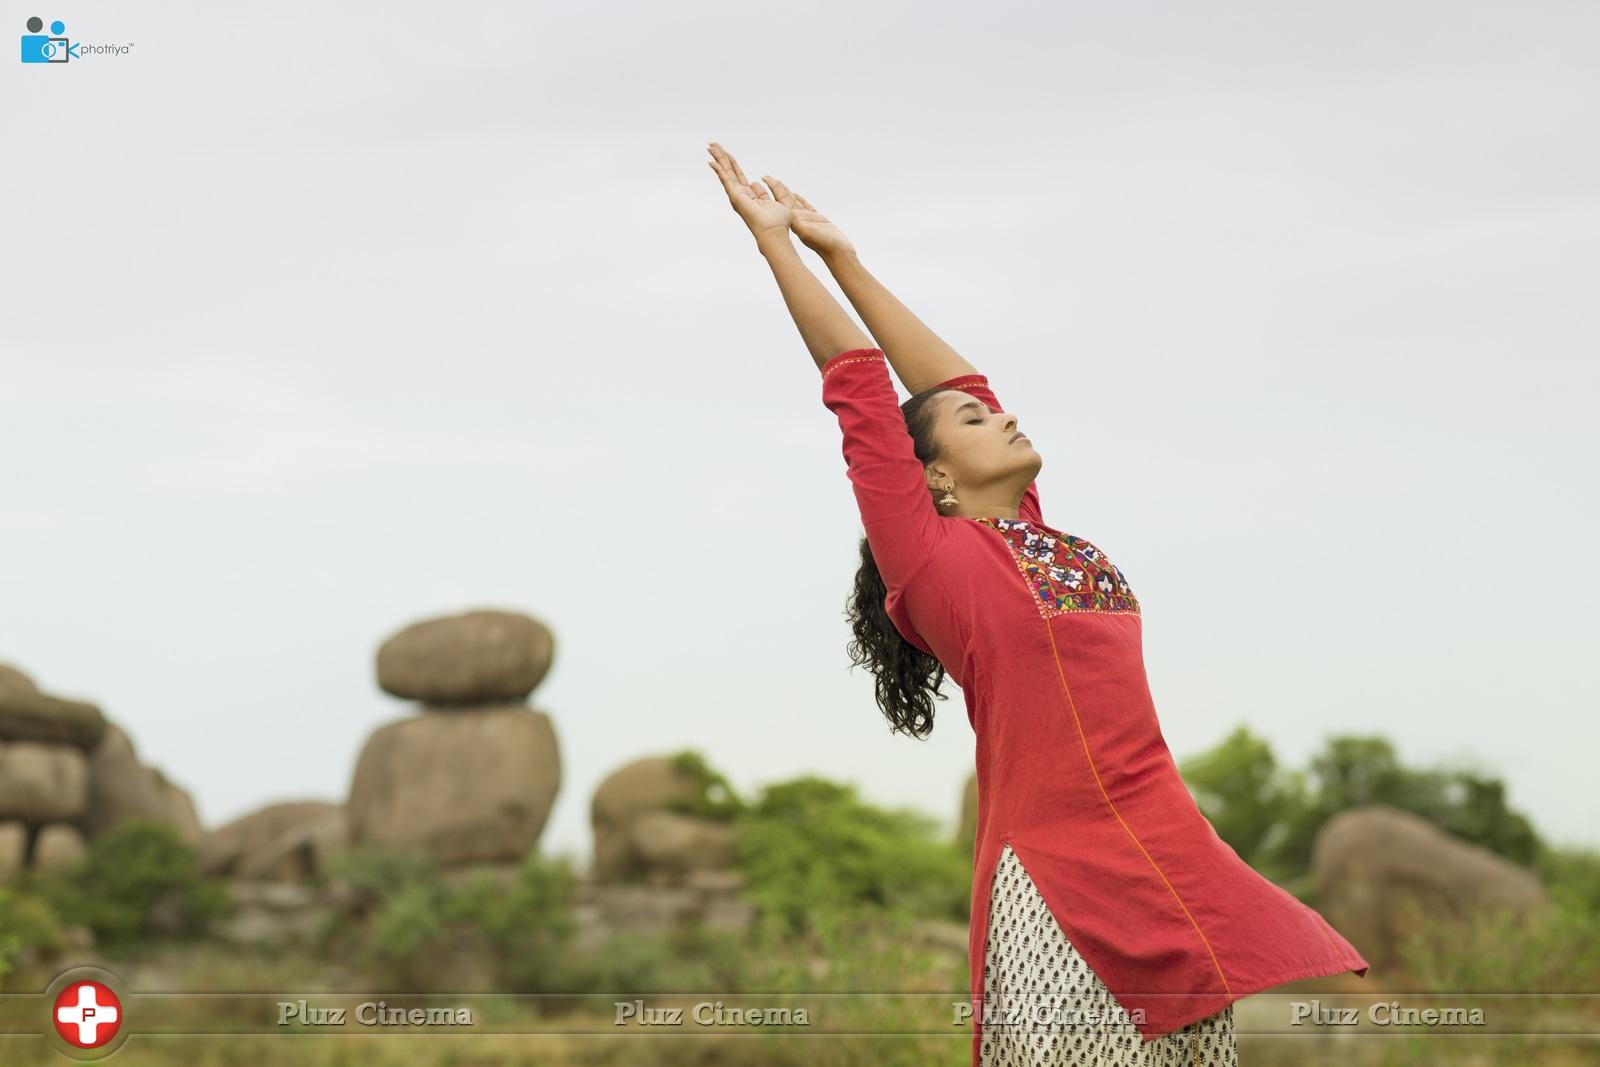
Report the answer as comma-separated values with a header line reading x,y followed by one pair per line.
x,y
320,319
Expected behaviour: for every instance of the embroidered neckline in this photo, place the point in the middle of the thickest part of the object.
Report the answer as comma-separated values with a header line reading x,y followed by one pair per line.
x,y
1064,572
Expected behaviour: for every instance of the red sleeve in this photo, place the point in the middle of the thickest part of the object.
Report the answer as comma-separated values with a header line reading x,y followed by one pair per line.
x,y
978,386
902,524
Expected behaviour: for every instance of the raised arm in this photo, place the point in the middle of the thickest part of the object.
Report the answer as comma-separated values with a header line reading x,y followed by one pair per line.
x,y
903,527
920,357
823,324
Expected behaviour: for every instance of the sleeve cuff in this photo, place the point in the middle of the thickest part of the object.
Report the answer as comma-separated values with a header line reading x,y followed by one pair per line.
x,y
962,381
852,356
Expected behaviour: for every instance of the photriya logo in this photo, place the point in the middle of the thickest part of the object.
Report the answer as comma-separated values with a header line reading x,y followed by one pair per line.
x,y
39,48
87,1014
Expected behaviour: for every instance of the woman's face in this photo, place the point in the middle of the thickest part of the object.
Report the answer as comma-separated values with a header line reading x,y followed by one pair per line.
x,y
981,449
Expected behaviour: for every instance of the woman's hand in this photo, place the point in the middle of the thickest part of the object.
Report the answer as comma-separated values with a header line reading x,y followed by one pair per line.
x,y
765,216
809,224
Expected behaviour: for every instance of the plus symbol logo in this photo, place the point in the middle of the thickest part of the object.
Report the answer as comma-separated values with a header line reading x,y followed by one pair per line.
x,y
87,1014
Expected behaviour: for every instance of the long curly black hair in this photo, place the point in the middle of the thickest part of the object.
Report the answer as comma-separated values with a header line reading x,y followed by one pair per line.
x,y
908,679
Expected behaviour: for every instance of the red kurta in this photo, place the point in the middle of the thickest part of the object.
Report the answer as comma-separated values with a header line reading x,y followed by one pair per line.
x,y
1043,635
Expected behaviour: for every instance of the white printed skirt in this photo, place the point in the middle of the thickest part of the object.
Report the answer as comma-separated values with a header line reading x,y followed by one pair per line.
x,y
1035,983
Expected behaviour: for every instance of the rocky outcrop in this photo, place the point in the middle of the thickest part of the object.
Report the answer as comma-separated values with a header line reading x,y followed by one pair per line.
x,y
274,912
121,787
42,783
67,775
602,911
33,716
639,837
12,679
474,776
289,841
670,846
1377,868
58,845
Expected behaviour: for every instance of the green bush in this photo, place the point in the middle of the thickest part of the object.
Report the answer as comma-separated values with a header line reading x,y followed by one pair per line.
x,y
1552,950
404,918
1572,875
138,881
1271,815
524,925
813,853
27,924
714,799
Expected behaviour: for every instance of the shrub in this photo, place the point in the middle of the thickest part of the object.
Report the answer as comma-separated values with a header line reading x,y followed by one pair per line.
x,y
405,918
27,925
714,799
138,880
1550,950
812,853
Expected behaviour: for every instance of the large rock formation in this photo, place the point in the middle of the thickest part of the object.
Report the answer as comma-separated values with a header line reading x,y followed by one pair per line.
x,y
33,716
1376,867
42,783
639,837
473,778
67,775
121,787
288,841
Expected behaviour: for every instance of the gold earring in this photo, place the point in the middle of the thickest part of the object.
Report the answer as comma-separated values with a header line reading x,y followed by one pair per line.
x,y
946,500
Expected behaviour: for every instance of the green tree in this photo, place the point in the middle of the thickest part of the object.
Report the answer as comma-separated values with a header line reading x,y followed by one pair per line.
x,y
1239,788
1271,816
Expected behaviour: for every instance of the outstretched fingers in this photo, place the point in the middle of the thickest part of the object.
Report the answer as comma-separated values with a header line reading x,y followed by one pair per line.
x,y
787,195
784,194
727,162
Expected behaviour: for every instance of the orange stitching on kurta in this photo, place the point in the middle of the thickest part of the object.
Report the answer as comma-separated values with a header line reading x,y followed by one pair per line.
x,y
852,359
1135,837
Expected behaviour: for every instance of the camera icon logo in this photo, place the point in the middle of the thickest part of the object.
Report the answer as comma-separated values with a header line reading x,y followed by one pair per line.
x,y
38,47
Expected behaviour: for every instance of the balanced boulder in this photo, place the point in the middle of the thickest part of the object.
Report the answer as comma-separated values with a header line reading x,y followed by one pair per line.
x,y
475,658
475,784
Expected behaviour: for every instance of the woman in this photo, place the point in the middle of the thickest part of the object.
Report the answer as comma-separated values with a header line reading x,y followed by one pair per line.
x,y
1110,923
